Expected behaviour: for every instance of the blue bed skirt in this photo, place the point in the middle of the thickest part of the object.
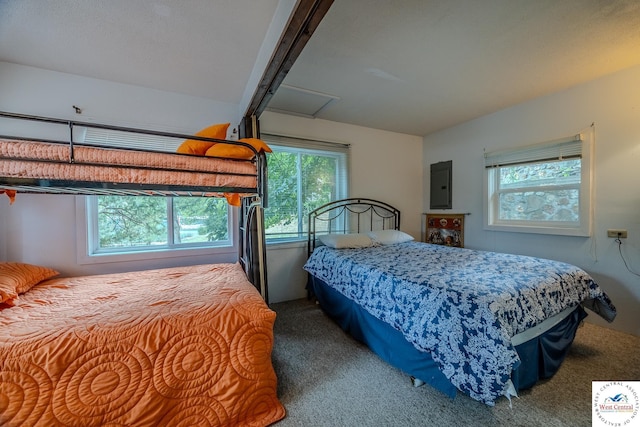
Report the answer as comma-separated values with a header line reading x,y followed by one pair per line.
x,y
540,357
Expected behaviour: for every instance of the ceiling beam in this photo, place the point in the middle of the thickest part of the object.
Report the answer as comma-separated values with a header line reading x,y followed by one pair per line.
x,y
304,20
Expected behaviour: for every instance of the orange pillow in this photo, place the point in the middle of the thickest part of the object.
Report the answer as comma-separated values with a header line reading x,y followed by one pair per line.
x,y
238,151
233,199
192,146
17,278
11,194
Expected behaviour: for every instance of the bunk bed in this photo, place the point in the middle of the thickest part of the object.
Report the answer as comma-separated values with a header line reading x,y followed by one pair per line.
x,y
484,323
156,347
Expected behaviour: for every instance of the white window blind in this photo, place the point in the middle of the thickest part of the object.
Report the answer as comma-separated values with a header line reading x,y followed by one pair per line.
x,y
309,144
560,149
132,140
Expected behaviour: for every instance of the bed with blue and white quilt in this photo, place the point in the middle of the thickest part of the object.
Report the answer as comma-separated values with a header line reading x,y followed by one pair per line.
x,y
484,323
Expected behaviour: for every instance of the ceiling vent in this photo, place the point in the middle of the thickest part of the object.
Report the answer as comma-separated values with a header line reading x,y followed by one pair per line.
x,y
299,101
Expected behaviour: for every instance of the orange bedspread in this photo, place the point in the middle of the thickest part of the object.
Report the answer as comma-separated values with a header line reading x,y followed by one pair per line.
x,y
178,346
95,164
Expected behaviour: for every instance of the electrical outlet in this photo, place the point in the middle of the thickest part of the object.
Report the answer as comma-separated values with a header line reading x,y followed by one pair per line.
x,y
617,233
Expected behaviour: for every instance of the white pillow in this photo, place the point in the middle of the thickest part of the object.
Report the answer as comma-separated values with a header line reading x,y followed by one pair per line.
x,y
344,241
389,237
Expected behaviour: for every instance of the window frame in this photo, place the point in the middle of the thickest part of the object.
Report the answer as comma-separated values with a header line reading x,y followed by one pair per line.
x,y
87,219
86,212
539,154
309,146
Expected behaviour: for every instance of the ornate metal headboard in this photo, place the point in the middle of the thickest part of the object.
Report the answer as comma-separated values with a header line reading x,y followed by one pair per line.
x,y
353,215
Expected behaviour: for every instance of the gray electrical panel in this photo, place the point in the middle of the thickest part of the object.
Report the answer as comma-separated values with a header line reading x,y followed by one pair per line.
x,y
441,185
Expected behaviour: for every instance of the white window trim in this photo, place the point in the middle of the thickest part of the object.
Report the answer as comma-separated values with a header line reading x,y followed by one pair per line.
x,y
584,229
311,146
84,256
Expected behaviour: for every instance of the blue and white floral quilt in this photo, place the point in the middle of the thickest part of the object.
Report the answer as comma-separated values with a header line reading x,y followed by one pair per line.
x,y
461,305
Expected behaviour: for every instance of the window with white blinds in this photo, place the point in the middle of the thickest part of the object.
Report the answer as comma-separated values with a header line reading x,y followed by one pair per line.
x,y
133,227
303,175
543,188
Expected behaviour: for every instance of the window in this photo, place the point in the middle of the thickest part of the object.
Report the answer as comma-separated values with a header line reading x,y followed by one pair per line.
x,y
139,227
126,224
303,175
545,188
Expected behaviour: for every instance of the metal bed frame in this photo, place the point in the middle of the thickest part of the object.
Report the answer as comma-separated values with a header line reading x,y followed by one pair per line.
x,y
352,215
29,185
252,248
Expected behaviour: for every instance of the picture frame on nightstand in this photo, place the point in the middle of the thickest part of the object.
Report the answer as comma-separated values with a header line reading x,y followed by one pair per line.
x,y
445,229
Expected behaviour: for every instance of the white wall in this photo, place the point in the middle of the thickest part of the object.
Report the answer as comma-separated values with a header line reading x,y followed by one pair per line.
x,y
36,91
613,105
384,165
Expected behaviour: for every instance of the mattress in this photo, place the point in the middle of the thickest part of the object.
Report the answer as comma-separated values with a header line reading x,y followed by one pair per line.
x,y
176,346
43,160
462,306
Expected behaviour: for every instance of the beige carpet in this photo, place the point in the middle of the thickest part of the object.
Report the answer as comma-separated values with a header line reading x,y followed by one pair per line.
x,y
325,378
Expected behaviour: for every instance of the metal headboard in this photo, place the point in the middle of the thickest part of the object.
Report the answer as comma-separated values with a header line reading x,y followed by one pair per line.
x,y
353,215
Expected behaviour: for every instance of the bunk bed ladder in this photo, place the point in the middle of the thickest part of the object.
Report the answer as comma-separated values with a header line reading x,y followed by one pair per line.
x,y
252,244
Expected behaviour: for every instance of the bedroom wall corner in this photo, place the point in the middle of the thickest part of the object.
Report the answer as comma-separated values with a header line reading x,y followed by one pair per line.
x,y
612,104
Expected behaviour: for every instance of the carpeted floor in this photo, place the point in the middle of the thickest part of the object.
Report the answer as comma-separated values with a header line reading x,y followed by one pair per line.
x,y
325,378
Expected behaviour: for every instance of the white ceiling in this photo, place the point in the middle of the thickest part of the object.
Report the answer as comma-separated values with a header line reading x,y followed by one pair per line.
x,y
410,66
196,47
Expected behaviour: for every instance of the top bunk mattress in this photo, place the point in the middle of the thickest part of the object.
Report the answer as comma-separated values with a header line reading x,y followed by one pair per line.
x,y
34,160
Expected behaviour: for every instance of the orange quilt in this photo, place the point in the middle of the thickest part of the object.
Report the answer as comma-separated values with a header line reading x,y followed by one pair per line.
x,y
177,346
